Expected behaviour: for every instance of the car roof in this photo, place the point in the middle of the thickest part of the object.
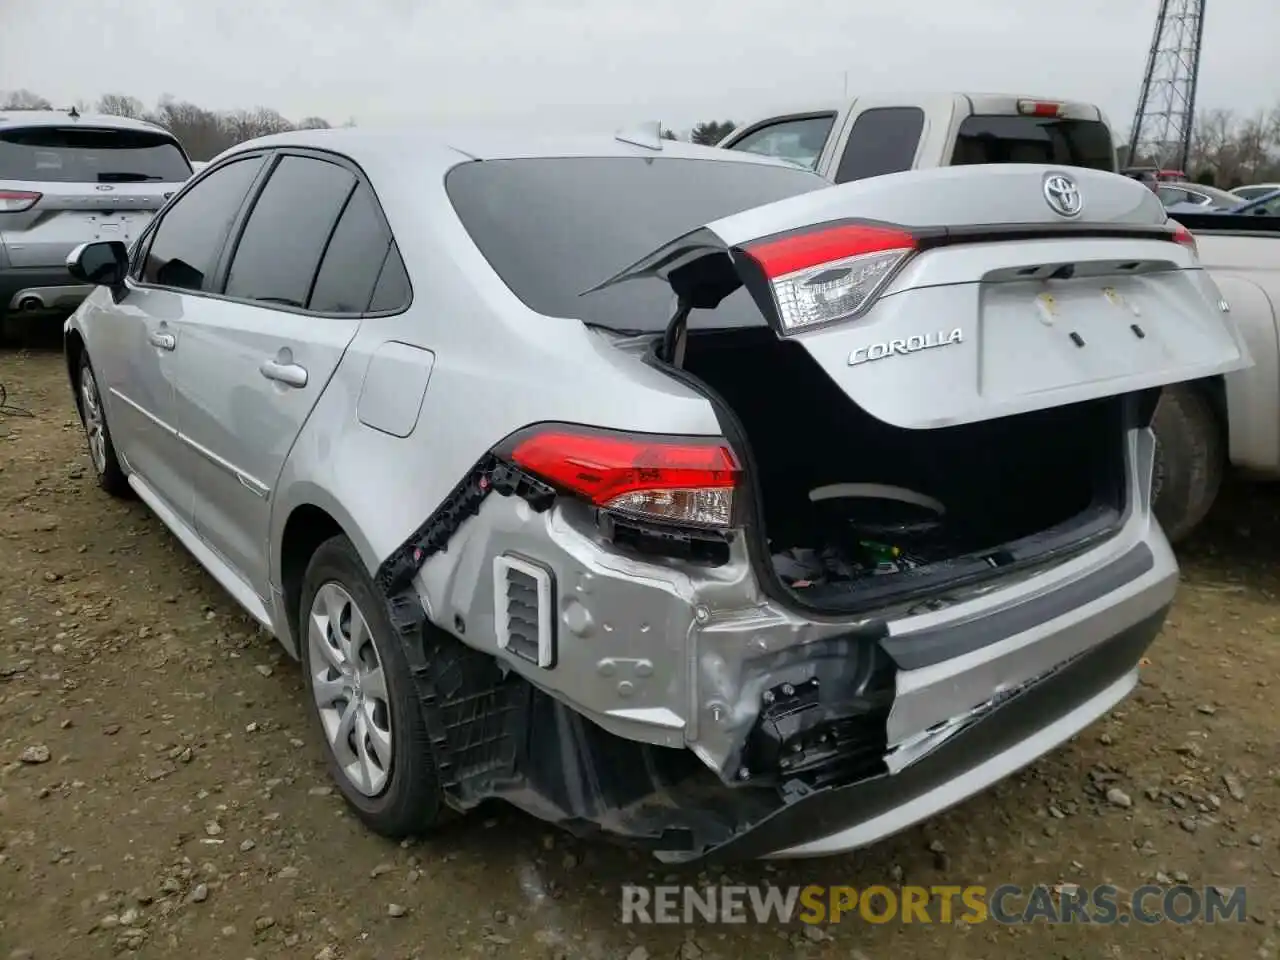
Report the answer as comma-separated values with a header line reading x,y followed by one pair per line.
x,y
62,118
442,149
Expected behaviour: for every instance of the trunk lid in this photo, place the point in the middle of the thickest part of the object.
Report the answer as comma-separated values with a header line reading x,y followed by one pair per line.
x,y
1006,302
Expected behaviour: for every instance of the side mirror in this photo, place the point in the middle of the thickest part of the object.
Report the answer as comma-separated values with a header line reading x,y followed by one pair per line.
x,y
102,262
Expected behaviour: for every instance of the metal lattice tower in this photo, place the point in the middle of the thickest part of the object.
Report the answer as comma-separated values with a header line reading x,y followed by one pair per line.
x,y
1166,107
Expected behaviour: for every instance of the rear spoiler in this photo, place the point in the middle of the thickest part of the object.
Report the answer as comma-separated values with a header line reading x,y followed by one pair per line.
x,y
680,262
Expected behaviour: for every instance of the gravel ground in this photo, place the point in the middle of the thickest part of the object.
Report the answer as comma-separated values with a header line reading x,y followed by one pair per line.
x,y
160,790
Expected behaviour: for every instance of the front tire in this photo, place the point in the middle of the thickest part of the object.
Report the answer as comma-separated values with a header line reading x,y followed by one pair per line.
x,y
1190,460
363,697
93,417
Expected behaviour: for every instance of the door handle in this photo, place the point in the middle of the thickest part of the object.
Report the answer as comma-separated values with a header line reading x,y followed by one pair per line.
x,y
165,341
289,374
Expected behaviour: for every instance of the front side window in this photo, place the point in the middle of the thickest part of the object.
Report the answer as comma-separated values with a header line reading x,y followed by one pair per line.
x,y
800,140
190,237
287,231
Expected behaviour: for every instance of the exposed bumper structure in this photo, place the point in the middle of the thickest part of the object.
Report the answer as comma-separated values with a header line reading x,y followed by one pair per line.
x,y
1010,736
589,705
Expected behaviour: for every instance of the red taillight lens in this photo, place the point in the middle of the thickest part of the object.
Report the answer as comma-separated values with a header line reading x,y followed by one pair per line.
x,y
15,201
1184,236
829,273
676,480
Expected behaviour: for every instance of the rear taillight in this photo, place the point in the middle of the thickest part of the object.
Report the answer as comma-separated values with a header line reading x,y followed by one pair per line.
x,y
830,273
676,480
15,201
1039,108
1185,237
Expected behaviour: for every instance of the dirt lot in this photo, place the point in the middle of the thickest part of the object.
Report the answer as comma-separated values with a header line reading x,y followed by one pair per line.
x,y
160,790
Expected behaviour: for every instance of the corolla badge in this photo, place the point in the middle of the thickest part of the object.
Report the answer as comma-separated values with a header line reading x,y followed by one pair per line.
x,y
1062,195
912,344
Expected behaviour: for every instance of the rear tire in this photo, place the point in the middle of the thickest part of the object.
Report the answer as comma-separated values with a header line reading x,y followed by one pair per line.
x,y
1190,460
93,417
395,791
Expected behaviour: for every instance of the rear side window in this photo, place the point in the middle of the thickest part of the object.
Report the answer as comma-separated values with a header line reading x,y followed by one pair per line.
x,y
287,231
194,230
392,291
799,140
91,155
552,228
353,258
883,140
1009,139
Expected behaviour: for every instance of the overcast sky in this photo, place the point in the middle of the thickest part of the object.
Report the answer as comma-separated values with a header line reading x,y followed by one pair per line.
x,y
601,63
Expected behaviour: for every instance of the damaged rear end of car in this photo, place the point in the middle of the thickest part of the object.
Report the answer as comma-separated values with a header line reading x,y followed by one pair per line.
x,y
919,554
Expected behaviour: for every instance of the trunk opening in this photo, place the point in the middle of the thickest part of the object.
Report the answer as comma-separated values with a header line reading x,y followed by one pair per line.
x,y
1012,491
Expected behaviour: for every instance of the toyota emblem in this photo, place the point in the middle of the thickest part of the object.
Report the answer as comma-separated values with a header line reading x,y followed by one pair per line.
x,y
1062,195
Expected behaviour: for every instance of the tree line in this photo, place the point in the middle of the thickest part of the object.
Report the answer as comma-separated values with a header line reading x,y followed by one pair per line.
x,y
204,133
1227,150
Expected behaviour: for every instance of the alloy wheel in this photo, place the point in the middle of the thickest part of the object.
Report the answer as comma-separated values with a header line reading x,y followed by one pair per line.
x,y
350,689
95,424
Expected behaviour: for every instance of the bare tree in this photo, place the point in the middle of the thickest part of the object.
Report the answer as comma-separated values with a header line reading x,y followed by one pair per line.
x,y
23,100
1229,152
120,105
313,123
202,132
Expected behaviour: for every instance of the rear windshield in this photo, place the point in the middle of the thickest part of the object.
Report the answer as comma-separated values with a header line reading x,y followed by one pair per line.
x,y
554,227
1006,139
90,155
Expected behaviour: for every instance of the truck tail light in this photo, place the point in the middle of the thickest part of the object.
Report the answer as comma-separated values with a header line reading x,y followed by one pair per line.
x,y
830,273
1039,108
15,201
682,481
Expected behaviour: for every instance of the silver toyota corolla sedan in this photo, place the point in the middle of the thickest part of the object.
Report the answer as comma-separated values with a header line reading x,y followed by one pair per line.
x,y
665,492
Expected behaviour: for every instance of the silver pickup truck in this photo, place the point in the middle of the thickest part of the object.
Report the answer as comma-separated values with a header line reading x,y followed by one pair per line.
x,y
1209,426
871,136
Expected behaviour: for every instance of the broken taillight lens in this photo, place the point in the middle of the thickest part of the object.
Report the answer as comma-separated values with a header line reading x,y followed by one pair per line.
x,y
831,273
675,480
